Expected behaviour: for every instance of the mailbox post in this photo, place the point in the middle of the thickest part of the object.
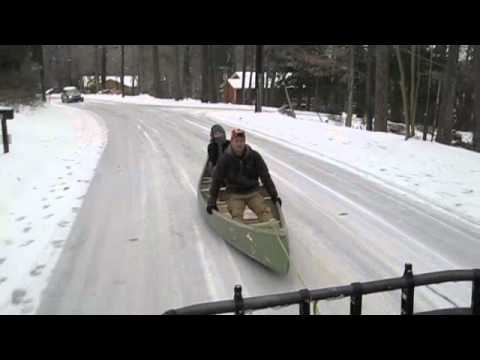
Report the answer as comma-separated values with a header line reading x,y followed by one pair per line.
x,y
5,114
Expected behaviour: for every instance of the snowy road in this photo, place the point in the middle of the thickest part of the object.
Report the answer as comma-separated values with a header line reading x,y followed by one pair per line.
x,y
140,246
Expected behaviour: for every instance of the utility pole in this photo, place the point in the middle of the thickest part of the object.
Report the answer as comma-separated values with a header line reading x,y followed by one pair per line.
x,y
259,79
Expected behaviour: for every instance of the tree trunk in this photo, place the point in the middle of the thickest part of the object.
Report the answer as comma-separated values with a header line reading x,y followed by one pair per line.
x,y
403,87
122,75
259,78
213,74
96,67
351,80
156,72
309,98
287,96
178,69
187,76
316,96
104,66
446,109
244,71
299,97
370,103
69,65
437,110
418,80
141,68
427,110
250,79
381,87
411,117
266,91
205,74
273,90
476,133
465,111
42,72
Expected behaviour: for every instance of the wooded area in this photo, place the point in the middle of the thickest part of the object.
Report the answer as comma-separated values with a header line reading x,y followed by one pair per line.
x,y
434,89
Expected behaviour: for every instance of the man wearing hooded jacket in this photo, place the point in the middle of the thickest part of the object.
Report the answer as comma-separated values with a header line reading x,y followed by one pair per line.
x,y
240,168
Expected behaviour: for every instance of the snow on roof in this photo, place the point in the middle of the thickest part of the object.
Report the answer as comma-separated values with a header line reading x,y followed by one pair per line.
x,y
236,80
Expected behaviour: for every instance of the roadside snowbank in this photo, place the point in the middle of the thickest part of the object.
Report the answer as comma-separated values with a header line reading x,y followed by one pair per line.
x,y
54,153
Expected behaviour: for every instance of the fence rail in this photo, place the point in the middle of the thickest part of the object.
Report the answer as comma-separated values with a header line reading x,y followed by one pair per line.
x,y
304,298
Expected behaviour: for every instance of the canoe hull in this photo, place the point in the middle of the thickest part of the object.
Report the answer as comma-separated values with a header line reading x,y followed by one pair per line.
x,y
265,243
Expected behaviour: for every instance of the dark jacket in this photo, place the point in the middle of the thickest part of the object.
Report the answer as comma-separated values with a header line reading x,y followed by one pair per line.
x,y
241,175
213,151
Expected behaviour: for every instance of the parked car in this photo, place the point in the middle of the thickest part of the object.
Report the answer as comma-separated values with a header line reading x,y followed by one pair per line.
x,y
71,94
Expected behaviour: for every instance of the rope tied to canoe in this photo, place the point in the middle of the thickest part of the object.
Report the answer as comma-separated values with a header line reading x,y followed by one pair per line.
x,y
316,308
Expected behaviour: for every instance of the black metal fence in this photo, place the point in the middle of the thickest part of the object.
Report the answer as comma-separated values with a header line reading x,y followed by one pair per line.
x,y
304,298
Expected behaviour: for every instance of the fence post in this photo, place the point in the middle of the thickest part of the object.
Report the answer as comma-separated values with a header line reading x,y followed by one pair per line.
x,y
476,292
305,304
356,300
238,299
408,293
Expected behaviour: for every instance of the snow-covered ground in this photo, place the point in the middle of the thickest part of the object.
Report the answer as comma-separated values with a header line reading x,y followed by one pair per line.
x,y
187,103
43,179
443,176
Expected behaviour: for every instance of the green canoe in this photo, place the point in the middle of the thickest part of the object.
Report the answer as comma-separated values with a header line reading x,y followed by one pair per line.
x,y
266,243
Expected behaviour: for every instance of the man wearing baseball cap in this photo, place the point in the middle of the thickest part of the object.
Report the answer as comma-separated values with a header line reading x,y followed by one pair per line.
x,y
240,168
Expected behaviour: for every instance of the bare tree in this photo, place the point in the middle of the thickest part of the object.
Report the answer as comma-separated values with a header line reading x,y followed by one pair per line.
x,y
156,72
403,87
445,120
205,74
351,84
213,74
38,57
259,78
411,123
187,75
244,71
104,66
178,83
95,60
69,65
426,116
122,75
381,87
476,133
252,67
370,82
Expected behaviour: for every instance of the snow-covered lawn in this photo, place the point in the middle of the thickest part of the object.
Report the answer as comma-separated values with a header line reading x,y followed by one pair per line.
x,y
52,159
444,176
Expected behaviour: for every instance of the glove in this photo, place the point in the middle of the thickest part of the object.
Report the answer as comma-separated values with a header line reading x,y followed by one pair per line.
x,y
210,209
277,201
